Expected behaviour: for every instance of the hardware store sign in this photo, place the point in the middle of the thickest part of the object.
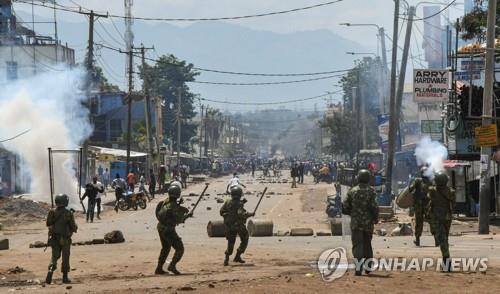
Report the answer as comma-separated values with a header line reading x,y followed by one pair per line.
x,y
431,85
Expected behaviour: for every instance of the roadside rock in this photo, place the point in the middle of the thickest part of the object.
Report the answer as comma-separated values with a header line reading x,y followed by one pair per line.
x,y
4,244
403,229
38,244
381,232
323,233
98,241
114,237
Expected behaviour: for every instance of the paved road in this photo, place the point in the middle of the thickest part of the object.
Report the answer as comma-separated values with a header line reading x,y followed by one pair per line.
x,y
117,267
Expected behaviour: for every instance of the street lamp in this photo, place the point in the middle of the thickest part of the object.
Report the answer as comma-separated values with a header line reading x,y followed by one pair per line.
x,y
381,34
361,53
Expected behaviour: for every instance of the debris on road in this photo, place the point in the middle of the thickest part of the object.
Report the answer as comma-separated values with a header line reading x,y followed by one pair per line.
x,y
4,244
114,237
16,270
403,229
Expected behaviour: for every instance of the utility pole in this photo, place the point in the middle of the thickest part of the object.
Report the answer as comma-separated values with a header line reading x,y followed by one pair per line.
x,y
130,97
201,130
147,109
179,118
404,62
392,103
89,66
383,79
484,187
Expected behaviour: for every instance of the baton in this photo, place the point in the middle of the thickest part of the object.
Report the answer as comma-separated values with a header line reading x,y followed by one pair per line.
x,y
199,198
260,199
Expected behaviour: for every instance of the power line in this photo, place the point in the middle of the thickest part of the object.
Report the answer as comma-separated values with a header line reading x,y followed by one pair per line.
x,y
16,136
270,103
109,34
234,72
63,8
437,13
266,83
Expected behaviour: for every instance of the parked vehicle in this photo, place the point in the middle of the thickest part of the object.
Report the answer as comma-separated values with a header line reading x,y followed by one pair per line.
x,y
132,200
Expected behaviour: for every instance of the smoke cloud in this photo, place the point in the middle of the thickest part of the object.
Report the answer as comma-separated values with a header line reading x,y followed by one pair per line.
x,y
432,154
50,106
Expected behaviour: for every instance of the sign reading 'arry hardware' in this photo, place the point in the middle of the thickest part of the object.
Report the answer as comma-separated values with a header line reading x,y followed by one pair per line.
x,y
431,85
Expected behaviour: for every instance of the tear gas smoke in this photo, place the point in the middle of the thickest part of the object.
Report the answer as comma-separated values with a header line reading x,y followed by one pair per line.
x,y
50,104
432,154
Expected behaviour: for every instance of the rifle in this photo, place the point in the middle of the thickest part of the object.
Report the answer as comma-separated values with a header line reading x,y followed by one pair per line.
x,y
199,198
260,199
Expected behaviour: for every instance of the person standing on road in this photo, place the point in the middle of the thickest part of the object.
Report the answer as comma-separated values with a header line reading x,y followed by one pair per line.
x,y
169,214
253,168
234,181
152,183
294,172
301,173
441,205
419,188
100,192
131,181
161,178
362,206
120,186
105,178
235,217
62,225
91,195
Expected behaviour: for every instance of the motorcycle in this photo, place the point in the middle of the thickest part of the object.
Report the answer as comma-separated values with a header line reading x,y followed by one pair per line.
x,y
132,200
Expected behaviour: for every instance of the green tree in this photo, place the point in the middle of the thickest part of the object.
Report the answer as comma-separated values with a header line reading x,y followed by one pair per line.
x,y
344,131
167,78
473,25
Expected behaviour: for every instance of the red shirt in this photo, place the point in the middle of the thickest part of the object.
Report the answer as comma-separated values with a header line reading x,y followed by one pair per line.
x,y
131,179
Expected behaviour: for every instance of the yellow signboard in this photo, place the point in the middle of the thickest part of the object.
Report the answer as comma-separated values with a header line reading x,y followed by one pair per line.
x,y
105,157
486,136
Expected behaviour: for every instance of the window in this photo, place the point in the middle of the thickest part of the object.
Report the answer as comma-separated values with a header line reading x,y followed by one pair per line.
x,y
115,129
11,70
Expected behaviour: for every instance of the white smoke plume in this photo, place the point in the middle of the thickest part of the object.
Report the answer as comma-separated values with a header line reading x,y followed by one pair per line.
x,y
50,106
432,154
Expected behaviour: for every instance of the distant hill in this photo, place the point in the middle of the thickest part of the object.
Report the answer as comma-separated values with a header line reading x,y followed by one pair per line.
x,y
230,47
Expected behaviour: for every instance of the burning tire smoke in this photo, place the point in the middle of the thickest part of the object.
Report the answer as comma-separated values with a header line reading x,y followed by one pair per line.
x,y
50,105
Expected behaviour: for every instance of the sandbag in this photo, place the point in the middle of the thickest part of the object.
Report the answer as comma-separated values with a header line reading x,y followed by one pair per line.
x,y
405,198
260,228
216,229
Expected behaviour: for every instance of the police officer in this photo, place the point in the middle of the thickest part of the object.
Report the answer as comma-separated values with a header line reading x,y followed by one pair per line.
x,y
169,214
61,224
442,202
362,206
419,188
235,217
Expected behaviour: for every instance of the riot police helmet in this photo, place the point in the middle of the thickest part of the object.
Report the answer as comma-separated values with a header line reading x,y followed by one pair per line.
x,y
61,200
364,176
441,179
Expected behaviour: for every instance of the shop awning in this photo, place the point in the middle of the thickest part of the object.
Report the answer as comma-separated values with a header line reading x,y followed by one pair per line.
x,y
455,163
116,152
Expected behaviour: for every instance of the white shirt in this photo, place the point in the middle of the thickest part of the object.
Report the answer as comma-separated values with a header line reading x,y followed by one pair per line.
x,y
234,182
99,186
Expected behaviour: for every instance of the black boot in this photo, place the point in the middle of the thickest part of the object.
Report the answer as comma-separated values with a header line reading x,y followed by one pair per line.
x,y
237,258
159,270
48,279
173,269
226,260
417,241
66,280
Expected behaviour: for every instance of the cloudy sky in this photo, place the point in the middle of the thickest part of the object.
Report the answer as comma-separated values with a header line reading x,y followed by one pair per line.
x,y
327,17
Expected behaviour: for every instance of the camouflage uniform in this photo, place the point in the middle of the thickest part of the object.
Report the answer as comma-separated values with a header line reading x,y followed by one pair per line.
x,y
442,200
362,206
235,217
61,223
419,188
170,214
